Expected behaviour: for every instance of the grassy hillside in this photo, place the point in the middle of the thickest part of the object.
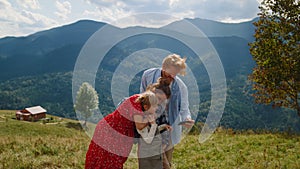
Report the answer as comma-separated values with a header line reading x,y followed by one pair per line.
x,y
62,144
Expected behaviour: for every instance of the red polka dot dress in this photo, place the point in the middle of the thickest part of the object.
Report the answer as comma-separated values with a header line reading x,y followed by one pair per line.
x,y
113,137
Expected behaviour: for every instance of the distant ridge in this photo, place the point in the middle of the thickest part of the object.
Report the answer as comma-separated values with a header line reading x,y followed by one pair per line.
x,y
221,29
30,51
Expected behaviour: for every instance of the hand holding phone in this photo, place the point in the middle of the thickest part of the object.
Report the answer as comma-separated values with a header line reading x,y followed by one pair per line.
x,y
187,123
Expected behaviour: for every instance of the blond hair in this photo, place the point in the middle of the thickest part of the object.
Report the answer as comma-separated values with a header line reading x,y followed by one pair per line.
x,y
147,98
176,61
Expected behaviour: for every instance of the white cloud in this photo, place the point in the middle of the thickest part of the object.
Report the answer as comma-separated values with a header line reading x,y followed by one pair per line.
x,y
9,14
108,14
153,20
173,3
231,20
184,14
64,8
38,20
29,4
16,22
26,16
220,10
4,4
9,28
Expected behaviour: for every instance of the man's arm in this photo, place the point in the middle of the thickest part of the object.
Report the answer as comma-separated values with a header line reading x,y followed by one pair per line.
x,y
143,85
149,76
184,104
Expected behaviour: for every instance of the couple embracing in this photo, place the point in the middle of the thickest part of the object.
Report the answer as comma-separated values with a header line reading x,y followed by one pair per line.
x,y
154,114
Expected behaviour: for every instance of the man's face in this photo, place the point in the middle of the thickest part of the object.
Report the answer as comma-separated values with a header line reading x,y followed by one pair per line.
x,y
171,71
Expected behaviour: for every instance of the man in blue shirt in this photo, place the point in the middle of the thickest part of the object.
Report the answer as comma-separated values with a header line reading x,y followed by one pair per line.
x,y
177,106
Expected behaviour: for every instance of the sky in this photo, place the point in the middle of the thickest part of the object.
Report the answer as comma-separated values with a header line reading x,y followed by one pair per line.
x,y
24,17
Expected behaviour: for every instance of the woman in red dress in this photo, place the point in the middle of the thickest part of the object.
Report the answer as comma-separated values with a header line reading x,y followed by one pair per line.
x,y
113,137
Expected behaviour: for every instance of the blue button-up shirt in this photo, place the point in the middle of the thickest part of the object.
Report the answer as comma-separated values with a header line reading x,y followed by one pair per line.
x,y
178,104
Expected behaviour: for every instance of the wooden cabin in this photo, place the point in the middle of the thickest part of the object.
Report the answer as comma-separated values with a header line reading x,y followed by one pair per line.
x,y
31,113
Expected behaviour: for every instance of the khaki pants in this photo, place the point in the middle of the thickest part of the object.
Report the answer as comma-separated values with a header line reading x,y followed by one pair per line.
x,y
150,155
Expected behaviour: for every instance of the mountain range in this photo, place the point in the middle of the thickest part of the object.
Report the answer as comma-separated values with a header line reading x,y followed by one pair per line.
x,y
37,70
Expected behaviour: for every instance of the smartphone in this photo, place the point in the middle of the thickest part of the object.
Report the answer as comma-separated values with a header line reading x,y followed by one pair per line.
x,y
185,122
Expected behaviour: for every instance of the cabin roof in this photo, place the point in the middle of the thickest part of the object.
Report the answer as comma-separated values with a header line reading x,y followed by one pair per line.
x,y
36,110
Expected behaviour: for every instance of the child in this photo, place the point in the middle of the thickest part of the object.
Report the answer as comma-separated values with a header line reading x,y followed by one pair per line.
x,y
164,128
151,145
155,136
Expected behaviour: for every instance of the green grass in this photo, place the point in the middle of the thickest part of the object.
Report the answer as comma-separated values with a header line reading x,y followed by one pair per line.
x,y
222,151
63,144
36,145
